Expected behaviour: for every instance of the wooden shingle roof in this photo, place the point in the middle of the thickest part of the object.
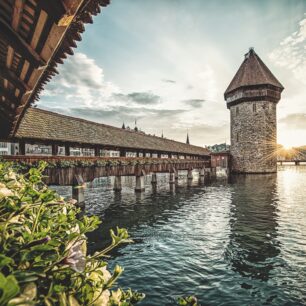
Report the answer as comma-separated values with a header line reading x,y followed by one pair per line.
x,y
46,126
35,36
252,72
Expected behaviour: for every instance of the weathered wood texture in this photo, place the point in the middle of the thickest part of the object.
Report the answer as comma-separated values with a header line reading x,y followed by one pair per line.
x,y
35,37
68,175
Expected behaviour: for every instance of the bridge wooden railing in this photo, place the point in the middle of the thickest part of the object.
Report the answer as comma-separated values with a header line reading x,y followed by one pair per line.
x,y
63,170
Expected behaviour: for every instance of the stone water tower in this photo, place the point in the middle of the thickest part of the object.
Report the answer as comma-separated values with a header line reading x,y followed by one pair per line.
x,y
252,97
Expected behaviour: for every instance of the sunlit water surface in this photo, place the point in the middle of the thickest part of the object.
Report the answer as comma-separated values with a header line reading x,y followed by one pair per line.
x,y
241,242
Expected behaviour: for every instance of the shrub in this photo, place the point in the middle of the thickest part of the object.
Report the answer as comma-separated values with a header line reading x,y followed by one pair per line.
x,y
43,258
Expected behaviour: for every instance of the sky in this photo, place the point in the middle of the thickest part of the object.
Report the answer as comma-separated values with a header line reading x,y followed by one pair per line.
x,y
167,63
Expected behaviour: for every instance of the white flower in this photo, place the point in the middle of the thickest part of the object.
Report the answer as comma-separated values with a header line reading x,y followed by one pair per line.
x,y
76,257
5,192
100,274
10,176
103,298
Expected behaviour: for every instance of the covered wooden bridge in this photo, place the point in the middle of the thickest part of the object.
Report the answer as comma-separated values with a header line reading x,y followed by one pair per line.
x,y
48,128
35,37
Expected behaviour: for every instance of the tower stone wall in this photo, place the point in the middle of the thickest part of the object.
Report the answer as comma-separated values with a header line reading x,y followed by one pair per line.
x,y
252,98
253,137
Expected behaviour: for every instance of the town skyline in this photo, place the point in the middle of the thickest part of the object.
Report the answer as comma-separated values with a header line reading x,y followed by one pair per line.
x,y
171,77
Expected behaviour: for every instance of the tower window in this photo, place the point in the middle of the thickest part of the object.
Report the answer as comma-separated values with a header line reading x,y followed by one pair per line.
x,y
237,137
254,107
237,110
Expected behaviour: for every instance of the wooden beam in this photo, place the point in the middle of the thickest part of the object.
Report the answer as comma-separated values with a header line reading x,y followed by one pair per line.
x,y
9,96
12,38
17,13
54,8
43,16
12,78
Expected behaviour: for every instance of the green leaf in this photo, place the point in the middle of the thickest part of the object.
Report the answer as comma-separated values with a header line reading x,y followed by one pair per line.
x,y
9,288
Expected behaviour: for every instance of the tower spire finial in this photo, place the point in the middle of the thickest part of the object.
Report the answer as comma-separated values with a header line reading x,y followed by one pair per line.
x,y
187,139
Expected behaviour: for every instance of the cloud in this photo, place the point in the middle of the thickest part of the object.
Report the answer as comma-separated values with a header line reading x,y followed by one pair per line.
x,y
291,52
195,103
169,81
142,98
295,121
80,80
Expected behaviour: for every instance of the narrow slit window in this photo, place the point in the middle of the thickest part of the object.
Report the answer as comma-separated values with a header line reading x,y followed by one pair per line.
x,y
254,107
237,110
237,137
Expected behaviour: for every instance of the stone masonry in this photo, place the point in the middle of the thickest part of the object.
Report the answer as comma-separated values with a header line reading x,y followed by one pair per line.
x,y
253,137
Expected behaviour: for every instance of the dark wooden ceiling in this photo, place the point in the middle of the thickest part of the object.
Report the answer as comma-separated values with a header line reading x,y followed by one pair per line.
x,y
35,36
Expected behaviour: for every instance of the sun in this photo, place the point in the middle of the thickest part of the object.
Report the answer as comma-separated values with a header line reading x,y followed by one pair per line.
x,y
287,146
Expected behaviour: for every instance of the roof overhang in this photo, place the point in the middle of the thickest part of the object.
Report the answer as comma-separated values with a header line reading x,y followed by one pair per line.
x,y
35,37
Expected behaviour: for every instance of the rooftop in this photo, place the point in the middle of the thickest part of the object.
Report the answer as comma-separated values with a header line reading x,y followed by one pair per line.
x,y
46,126
252,72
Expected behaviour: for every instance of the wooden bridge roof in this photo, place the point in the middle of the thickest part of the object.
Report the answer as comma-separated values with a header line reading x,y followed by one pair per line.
x,y
48,127
35,36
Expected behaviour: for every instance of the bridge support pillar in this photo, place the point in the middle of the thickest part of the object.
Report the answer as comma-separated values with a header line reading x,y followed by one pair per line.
x,y
172,178
213,172
78,194
78,190
118,183
189,175
154,179
176,177
202,172
140,186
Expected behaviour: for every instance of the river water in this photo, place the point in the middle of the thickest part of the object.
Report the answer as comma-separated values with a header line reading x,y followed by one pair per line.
x,y
233,242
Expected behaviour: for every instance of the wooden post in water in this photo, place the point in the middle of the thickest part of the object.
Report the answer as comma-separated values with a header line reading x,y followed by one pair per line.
x,y
140,186
118,183
78,190
172,178
154,179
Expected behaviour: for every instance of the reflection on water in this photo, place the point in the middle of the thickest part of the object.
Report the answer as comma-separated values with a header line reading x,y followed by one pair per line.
x,y
253,222
241,242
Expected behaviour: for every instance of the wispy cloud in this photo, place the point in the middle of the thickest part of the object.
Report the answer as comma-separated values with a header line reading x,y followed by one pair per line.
x,y
291,52
169,81
195,103
143,98
294,121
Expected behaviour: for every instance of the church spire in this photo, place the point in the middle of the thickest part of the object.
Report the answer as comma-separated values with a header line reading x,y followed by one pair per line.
x,y
123,126
187,139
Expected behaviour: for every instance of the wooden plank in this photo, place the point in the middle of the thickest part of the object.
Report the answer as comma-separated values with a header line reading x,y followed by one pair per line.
x,y
10,56
12,78
43,16
51,44
12,38
24,70
17,13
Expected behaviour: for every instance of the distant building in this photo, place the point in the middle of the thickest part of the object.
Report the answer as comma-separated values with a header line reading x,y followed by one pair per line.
x,y
219,147
252,97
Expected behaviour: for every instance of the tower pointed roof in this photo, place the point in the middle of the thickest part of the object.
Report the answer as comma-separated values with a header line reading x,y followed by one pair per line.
x,y
253,72
187,139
